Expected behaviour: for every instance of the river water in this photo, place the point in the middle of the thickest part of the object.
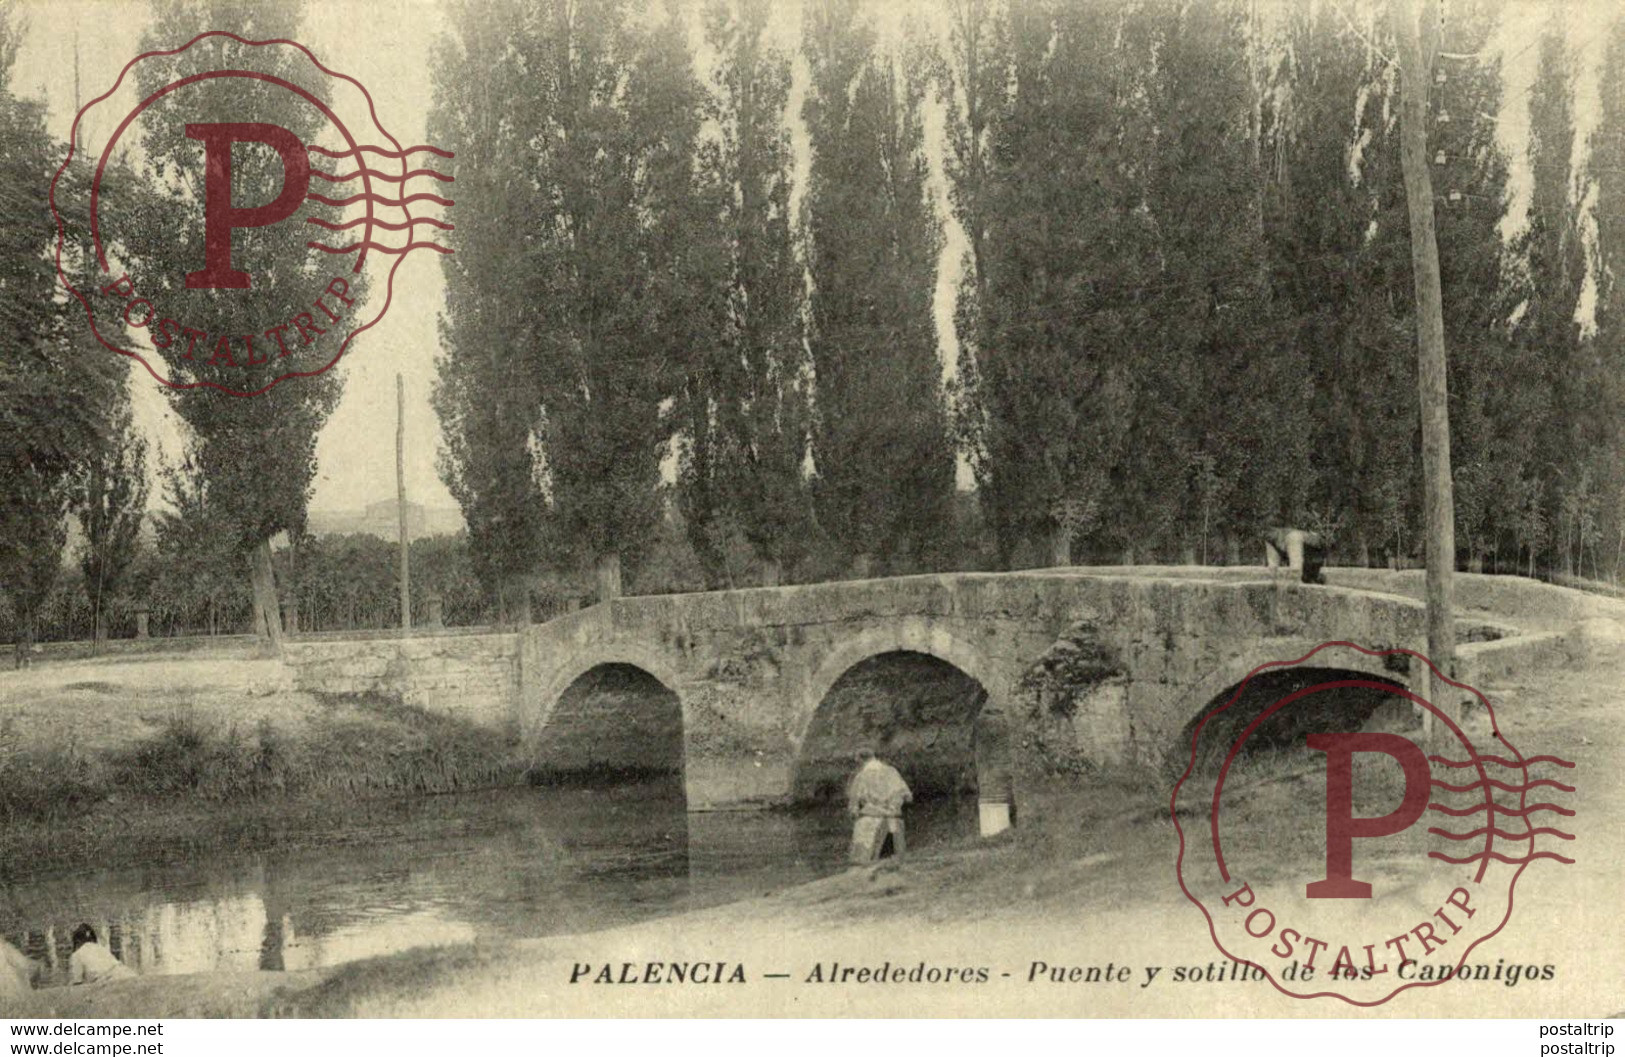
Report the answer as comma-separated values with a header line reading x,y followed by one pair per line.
x,y
513,863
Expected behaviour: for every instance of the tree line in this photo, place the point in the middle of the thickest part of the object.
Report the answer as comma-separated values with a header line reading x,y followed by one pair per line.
x,y
326,583
1185,311
700,330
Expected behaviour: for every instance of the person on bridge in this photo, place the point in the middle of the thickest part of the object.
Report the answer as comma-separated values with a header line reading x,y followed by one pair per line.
x,y
91,963
875,799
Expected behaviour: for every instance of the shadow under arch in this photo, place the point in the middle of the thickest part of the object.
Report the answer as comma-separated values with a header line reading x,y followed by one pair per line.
x,y
905,638
612,721
1228,712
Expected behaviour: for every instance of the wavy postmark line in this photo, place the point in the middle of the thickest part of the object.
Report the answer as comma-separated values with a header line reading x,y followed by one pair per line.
x,y
1484,783
1520,861
1496,809
376,175
1503,834
379,247
1502,760
389,278
403,202
380,151
386,225
1190,767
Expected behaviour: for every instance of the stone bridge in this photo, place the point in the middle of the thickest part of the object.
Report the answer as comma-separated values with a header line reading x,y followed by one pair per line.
x,y
973,681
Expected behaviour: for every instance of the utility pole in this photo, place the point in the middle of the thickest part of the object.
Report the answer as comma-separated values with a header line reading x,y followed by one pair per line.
x,y
1418,47
400,501
76,110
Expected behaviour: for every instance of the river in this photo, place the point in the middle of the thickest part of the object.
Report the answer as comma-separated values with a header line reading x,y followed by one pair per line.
x,y
511,863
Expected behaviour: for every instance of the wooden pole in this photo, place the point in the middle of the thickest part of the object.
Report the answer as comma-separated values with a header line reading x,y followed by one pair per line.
x,y
1416,57
400,502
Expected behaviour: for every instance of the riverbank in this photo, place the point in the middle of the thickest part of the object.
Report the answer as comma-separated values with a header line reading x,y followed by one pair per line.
x,y
118,762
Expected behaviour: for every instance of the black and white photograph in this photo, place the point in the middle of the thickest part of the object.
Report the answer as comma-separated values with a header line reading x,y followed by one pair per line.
x,y
831,509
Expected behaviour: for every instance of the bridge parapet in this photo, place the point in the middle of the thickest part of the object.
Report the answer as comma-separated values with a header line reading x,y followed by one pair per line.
x,y
751,669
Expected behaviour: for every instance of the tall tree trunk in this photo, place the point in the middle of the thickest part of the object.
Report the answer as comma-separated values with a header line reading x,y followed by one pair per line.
x,y
609,576
1416,65
24,653
267,612
404,533
1060,545
519,587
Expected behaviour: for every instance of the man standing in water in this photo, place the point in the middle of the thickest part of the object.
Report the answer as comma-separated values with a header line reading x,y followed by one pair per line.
x,y
875,799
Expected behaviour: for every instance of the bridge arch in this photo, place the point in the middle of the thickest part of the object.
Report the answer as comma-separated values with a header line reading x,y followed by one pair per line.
x,y
1218,688
632,654
609,711
904,637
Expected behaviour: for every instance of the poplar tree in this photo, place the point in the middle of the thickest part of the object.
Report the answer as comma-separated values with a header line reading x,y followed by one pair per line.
x,y
256,455
1607,402
52,380
744,398
1470,189
611,115
110,501
1064,258
1197,443
880,443
487,404
1546,453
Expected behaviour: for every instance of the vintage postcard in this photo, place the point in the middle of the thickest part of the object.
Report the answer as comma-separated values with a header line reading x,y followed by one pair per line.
x,y
821,508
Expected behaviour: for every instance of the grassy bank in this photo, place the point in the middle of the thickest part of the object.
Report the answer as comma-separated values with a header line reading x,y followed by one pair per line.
x,y
334,767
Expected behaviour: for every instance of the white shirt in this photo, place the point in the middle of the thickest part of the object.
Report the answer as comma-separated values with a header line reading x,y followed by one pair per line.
x,y
93,963
877,790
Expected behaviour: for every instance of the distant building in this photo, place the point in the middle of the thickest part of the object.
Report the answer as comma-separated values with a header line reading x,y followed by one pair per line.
x,y
379,519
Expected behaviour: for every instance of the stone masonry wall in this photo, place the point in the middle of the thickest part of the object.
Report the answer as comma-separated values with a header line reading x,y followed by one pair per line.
x,y
754,668
469,677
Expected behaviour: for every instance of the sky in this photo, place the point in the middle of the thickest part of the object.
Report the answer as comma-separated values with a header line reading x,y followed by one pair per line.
x,y
386,44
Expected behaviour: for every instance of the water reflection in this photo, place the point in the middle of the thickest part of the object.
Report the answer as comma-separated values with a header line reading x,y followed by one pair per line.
x,y
523,863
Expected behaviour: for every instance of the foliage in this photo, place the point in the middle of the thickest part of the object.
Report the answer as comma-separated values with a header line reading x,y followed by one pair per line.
x,y
358,746
1603,395
880,442
111,503
607,280
676,332
197,583
743,403
52,381
488,410
258,454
